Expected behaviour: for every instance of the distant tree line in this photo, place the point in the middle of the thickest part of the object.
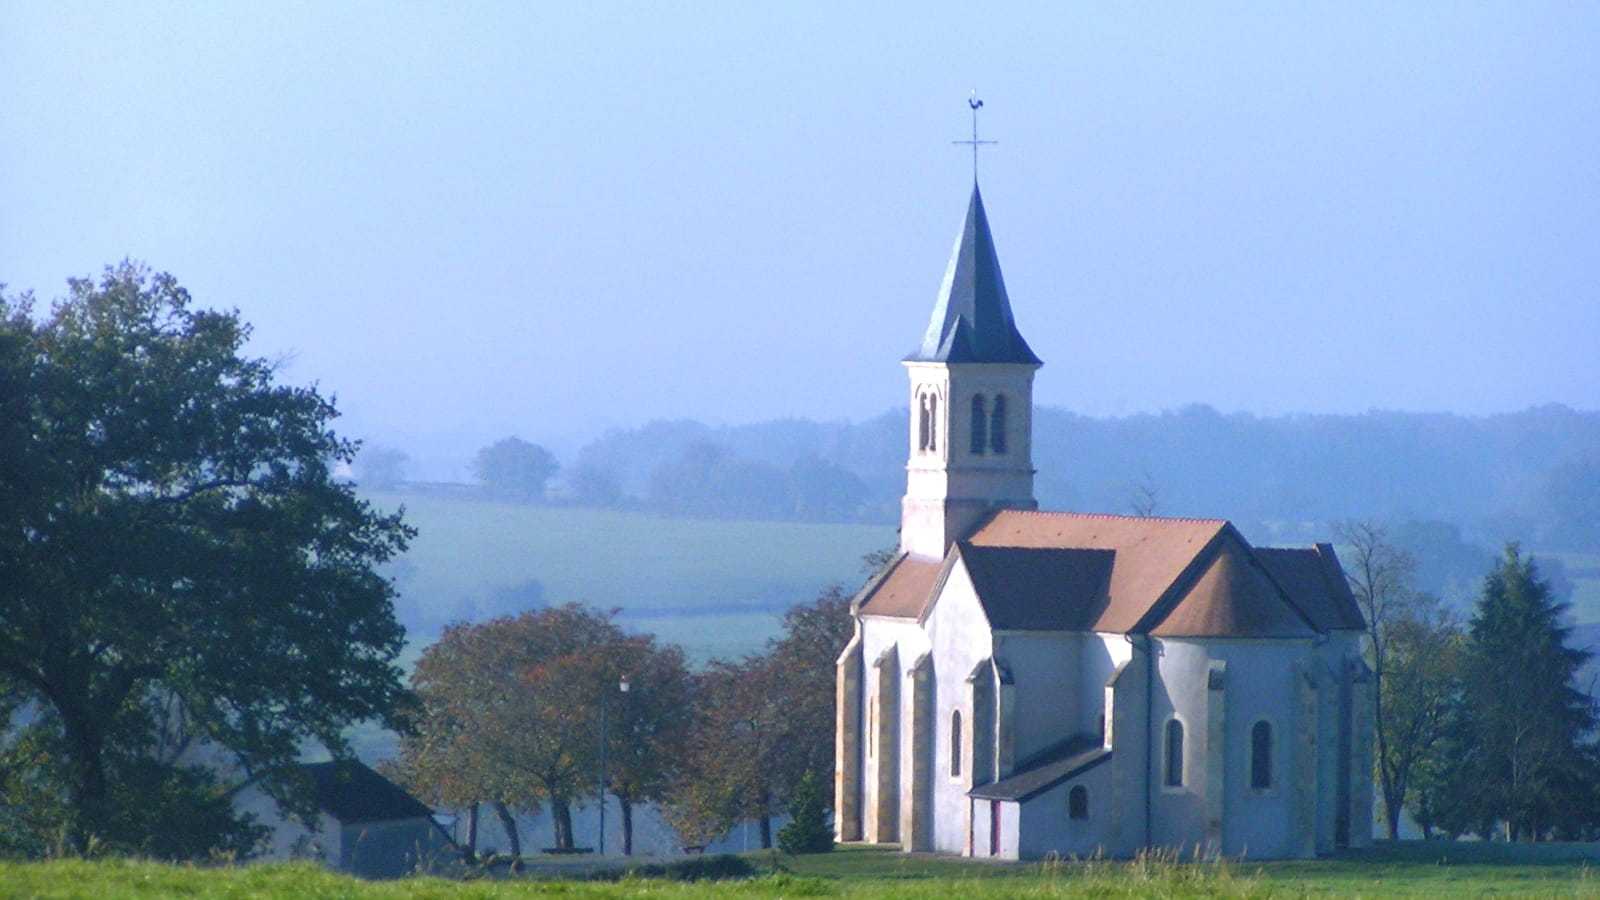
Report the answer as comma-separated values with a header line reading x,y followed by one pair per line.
x,y
1533,475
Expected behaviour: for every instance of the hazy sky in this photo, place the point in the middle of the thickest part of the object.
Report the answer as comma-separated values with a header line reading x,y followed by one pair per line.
x,y
470,220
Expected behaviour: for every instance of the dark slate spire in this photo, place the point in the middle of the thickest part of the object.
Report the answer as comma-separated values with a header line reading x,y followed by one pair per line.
x,y
972,320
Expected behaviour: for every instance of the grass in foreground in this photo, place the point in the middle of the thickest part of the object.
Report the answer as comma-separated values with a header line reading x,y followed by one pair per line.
x,y
1403,869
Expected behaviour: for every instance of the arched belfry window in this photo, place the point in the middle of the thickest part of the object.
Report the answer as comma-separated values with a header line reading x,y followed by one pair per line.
x,y
927,421
997,425
1173,775
924,423
955,744
1078,802
1261,756
980,425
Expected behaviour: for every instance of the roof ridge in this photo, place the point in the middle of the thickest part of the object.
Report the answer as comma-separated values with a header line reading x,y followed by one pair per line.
x,y
1104,515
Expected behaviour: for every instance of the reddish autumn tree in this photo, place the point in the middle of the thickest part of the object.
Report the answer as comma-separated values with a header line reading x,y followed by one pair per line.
x,y
761,724
445,759
649,725
511,715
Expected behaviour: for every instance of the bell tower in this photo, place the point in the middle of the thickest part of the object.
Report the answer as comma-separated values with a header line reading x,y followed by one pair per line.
x,y
971,447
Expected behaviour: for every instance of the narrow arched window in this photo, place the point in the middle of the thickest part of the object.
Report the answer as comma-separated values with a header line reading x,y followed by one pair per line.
x,y
997,425
1261,756
980,425
924,423
1174,768
933,422
955,744
1078,802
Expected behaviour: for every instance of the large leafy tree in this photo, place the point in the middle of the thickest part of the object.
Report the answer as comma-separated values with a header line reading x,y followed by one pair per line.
x,y
763,723
1526,758
1414,648
648,729
514,469
170,531
511,715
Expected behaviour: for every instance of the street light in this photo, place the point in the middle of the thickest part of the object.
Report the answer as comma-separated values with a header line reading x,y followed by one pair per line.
x,y
622,687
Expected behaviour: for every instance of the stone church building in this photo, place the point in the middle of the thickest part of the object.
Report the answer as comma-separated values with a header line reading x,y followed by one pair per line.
x,y
1023,683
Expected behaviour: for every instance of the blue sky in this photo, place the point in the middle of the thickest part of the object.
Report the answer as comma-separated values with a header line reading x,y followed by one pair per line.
x,y
472,220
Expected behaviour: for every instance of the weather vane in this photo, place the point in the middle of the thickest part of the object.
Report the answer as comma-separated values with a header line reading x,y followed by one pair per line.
x,y
976,105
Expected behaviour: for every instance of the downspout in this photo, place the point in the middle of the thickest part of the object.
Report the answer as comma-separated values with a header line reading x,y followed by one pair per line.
x,y
1149,730
1149,739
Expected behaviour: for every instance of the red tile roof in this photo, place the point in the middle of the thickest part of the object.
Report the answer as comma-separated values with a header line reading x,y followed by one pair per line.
x,y
1233,598
903,590
1126,574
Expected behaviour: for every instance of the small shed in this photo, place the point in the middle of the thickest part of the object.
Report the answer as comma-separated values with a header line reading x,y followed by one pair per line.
x,y
368,826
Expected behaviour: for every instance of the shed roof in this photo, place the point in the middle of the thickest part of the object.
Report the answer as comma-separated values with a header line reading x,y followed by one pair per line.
x,y
1065,760
352,793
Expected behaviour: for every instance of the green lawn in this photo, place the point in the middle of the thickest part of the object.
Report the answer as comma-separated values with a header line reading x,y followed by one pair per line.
x,y
716,587
1404,869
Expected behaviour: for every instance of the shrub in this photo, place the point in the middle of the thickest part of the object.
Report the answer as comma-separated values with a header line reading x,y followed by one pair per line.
x,y
808,830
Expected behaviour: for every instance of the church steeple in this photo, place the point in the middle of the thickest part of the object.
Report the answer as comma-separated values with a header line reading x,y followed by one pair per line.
x,y
972,320
971,447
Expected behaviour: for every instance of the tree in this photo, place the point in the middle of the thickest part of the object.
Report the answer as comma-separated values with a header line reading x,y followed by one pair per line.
x,y
170,529
444,760
808,830
763,723
823,490
381,468
1146,496
514,469
510,715
594,484
1527,759
1425,649
813,636
1408,640
731,772
649,726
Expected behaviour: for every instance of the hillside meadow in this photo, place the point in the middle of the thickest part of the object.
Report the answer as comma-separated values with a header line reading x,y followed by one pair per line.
x,y
1405,870
716,587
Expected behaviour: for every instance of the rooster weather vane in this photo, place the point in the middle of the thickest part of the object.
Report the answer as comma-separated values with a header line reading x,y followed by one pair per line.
x,y
976,105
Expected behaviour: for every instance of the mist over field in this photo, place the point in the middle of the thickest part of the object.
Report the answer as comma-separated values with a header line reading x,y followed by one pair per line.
x,y
703,535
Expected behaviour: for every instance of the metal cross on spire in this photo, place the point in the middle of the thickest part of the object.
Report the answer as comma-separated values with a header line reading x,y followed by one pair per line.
x,y
976,105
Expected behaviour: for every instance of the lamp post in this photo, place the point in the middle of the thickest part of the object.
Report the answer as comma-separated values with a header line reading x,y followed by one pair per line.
x,y
622,687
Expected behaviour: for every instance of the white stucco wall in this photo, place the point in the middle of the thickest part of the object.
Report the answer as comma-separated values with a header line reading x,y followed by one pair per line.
x,y
1045,668
959,636
1046,828
1259,686
1059,690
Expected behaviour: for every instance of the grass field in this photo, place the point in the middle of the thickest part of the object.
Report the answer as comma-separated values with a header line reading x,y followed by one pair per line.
x,y
1405,869
715,587
1584,571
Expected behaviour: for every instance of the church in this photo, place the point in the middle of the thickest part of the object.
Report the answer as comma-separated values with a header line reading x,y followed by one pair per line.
x,y
1023,683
